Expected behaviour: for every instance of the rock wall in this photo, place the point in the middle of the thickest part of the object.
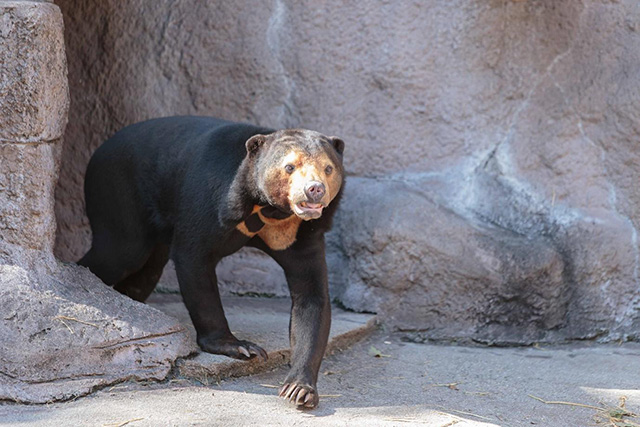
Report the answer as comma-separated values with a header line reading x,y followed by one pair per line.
x,y
492,147
63,332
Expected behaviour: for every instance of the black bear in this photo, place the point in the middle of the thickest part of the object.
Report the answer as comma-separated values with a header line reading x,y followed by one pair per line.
x,y
196,189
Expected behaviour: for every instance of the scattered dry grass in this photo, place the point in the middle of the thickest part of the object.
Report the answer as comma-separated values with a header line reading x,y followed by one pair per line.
x,y
452,386
270,386
123,423
447,411
377,353
617,416
63,318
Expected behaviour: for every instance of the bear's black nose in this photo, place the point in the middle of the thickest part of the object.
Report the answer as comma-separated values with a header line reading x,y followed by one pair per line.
x,y
314,191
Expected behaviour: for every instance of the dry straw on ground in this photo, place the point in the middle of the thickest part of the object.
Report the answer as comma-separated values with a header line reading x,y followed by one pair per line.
x,y
617,416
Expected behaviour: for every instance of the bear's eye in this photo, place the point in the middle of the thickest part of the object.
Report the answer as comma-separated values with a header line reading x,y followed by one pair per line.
x,y
289,168
328,170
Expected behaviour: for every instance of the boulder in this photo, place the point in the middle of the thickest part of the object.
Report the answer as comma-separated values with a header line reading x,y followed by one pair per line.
x,y
441,265
417,261
70,334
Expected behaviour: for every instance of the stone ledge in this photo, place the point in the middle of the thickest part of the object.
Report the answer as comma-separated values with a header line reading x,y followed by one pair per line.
x,y
264,321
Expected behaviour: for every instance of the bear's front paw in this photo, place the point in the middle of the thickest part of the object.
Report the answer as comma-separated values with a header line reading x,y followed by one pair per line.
x,y
232,347
302,395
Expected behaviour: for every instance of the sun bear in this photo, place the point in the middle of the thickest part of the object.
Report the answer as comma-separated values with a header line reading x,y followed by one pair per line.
x,y
196,189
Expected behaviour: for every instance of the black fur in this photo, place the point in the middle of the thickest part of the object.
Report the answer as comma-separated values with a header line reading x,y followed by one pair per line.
x,y
178,187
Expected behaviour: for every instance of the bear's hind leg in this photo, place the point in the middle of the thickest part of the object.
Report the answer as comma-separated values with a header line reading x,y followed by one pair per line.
x,y
199,289
113,259
140,284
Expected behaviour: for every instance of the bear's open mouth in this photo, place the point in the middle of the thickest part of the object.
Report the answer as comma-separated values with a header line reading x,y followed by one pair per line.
x,y
305,209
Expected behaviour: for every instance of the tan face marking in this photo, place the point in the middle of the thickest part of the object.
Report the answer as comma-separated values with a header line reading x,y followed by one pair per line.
x,y
278,234
311,168
291,167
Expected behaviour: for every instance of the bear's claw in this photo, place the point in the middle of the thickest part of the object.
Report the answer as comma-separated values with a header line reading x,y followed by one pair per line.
x,y
303,396
233,347
244,351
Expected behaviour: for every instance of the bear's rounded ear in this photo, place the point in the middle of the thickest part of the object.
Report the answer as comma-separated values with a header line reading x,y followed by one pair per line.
x,y
255,142
337,143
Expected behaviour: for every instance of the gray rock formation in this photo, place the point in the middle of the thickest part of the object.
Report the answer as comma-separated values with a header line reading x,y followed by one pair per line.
x,y
429,256
491,146
34,100
63,332
70,334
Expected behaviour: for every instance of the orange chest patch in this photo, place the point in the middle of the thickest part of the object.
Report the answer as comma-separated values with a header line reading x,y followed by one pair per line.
x,y
278,234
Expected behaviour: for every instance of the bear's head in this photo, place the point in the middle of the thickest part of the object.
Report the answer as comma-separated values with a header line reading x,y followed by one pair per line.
x,y
297,171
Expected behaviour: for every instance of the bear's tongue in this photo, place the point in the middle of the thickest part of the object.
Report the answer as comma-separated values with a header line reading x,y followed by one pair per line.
x,y
308,210
310,205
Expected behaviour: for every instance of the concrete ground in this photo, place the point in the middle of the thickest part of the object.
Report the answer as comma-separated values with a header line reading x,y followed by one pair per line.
x,y
407,384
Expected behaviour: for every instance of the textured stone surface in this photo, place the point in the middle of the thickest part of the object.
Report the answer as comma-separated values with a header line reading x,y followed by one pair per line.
x,y
63,332
517,120
27,181
417,258
71,334
33,72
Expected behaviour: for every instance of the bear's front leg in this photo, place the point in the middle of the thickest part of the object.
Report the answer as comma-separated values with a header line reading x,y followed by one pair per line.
x,y
305,267
199,289
308,334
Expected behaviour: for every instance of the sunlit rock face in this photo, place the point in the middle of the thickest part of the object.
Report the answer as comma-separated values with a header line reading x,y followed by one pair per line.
x,y
492,147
